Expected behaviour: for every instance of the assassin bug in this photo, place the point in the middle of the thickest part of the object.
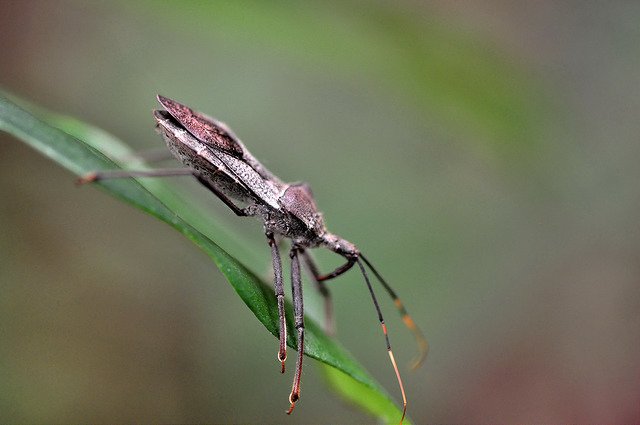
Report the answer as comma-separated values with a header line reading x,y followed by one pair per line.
x,y
216,157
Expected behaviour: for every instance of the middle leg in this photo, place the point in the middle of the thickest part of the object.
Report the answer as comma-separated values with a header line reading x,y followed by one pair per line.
x,y
279,289
298,313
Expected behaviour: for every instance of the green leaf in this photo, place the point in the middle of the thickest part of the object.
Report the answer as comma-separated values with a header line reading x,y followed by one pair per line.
x,y
81,148
360,395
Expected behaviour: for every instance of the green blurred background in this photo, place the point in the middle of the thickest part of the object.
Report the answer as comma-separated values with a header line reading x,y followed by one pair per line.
x,y
483,154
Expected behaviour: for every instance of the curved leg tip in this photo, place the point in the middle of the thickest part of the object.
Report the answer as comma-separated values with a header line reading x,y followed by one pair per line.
x,y
282,357
291,408
292,399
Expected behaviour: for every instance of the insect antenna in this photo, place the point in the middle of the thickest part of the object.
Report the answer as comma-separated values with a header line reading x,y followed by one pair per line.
x,y
423,345
386,337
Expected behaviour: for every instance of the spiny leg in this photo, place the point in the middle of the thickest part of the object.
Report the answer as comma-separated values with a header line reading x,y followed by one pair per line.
x,y
298,312
386,337
329,323
279,289
423,345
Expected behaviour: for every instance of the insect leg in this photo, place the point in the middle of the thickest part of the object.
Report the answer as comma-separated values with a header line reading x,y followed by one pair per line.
x,y
337,272
240,212
329,323
386,337
119,174
160,172
423,345
298,312
279,289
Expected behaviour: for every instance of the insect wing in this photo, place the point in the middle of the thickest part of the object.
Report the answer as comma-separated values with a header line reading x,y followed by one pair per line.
x,y
265,190
210,142
186,147
212,133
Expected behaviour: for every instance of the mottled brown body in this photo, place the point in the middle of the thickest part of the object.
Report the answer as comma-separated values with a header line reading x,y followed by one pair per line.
x,y
218,157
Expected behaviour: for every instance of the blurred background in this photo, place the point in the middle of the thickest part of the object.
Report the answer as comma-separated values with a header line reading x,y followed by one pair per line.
x,y
483,154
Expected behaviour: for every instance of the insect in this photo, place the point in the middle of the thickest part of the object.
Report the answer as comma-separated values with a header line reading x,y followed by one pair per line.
x,y
218,159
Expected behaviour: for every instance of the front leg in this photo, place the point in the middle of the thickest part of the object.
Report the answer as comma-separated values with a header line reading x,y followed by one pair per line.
x,y
340,270
279,289
329,323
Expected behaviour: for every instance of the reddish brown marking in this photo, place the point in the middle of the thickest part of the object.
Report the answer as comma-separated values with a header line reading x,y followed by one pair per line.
x,y
87,178
202,128
295,395
409,321
423,345
282,352
295,389
293,405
